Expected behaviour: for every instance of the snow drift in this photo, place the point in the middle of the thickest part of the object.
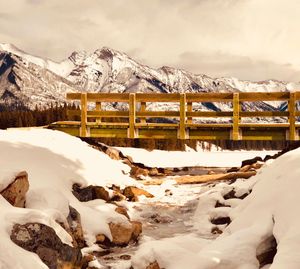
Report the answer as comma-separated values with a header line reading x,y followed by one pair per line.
x,y
270,210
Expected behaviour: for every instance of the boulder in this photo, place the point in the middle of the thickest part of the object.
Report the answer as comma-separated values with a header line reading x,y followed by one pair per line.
x,y
42,240
15,193
132,193
138,172
74,221
122,234
90,193
251,161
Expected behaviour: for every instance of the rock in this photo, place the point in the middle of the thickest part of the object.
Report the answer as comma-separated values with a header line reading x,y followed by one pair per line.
x,y
121,233
137,172
113,153
232,169
15,193
251,161
90,193
132,193
154,172
117,196
266,251
257,165
137,229
42,240
153,265
121,210
74,221
210,172
245,168
221,221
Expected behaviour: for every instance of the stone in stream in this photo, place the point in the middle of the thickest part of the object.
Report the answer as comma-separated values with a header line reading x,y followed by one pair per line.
x,y
132,193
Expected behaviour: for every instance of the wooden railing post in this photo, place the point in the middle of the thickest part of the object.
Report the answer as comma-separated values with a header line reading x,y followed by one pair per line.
x,y
98,108
190,109
182,133
143,109
132,115
236,117
83,128
292,116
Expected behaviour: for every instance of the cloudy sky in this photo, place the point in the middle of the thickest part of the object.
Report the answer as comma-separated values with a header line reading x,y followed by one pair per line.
x,y
248,39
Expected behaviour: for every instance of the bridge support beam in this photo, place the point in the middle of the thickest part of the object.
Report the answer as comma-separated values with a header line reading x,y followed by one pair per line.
x,y
182,130
132,115
292,116
236,117
83,127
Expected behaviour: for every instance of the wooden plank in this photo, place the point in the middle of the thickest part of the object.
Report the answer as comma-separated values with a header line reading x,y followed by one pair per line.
x,y
189,110
157,97
264,114
182,133
292,117
108,97
108,114
132,115
76,123
209,125
236,117
158,114
83,128
158,125
98,108
143,109
209,114
264,125
209,97
264,96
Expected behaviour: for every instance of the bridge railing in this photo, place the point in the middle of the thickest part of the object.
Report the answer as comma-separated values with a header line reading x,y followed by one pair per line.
x,y
137,116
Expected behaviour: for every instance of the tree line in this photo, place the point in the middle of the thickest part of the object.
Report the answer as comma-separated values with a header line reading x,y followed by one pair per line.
x,y
22,117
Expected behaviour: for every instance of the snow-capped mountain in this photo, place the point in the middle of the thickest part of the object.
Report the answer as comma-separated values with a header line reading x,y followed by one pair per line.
x,y
29,80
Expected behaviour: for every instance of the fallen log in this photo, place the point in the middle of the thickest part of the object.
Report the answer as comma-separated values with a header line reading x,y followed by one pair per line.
x,y
203,178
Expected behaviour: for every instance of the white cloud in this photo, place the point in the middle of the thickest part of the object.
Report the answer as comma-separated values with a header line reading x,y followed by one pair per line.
x,y
251,39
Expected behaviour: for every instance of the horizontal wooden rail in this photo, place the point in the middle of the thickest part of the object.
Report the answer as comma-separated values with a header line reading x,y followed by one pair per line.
x,y
138,122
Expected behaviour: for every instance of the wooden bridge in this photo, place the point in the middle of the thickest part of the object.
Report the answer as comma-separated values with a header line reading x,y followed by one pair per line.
x,y
138,123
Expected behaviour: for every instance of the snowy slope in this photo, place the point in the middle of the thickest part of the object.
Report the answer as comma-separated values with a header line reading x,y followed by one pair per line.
x,y
270,210
54,161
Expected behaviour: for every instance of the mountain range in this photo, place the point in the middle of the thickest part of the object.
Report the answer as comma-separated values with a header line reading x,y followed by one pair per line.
x,y
29,81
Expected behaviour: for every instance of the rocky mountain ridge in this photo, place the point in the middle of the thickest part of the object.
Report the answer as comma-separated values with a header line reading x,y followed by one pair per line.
x,y
27,80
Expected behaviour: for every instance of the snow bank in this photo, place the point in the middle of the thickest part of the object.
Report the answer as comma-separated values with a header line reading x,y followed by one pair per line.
x,y
161,158
271,209
54,162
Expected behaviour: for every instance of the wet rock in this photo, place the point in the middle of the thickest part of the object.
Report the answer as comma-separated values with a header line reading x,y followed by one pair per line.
x,y
90,193
42,240
121,233
137,229
232,195
218,204
156,218
15,193
125,257
132,193
232,169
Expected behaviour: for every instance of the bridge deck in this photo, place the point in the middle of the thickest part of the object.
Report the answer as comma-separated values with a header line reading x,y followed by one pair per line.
x,y
135,123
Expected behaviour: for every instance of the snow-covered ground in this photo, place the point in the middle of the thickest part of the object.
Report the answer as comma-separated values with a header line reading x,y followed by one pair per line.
x,y
177,222
215,158
54,161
